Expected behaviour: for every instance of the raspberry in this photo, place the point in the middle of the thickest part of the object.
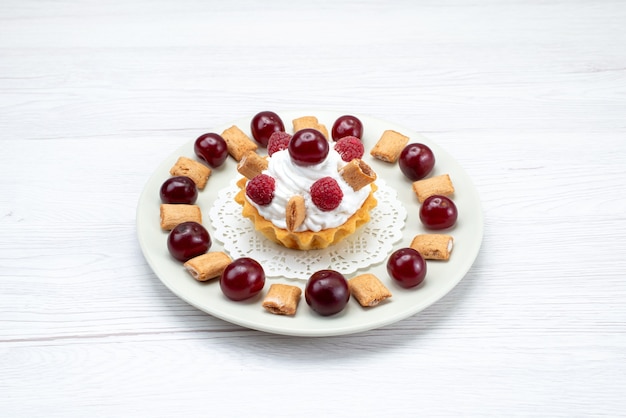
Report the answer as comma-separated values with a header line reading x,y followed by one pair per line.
x,y
326,193
261,189
349,147
278,141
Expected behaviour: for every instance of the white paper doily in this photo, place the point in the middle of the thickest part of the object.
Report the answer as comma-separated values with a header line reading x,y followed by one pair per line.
x,y
369,245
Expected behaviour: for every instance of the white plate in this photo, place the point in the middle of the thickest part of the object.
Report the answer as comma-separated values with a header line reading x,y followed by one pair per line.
x,y
441,276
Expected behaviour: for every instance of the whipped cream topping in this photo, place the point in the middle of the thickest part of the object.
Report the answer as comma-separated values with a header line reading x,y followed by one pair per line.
x,y
292,179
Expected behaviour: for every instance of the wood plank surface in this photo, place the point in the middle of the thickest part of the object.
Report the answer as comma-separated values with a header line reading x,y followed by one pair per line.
x,y
529,97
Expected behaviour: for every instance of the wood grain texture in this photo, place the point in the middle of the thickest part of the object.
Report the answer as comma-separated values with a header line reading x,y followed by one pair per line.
x,y
529,97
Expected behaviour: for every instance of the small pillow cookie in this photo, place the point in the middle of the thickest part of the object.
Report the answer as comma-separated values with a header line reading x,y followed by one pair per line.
x,y
433,246
389,146
438,185
195,170
295,212
237,142
309,122
175,214
251,165
357,174
368,290
207,266
282,299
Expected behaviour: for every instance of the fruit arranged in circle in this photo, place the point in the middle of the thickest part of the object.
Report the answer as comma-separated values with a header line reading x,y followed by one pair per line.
x,y
407,267
179,189
326,194
416,161
264,124
438,212
308,147
347,125
327,292
261,189
211,148
349,147
242,279
278,141
188,240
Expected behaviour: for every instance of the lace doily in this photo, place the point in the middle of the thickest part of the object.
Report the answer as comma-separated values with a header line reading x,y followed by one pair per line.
x,y
369,245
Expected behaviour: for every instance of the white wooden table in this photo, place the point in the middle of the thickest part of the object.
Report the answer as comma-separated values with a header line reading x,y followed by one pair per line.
x,y
530,97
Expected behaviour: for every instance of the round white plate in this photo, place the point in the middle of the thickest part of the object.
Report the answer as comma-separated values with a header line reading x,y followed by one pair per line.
x,y
440,279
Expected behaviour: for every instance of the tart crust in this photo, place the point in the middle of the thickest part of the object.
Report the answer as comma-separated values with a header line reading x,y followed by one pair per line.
x,y
305,240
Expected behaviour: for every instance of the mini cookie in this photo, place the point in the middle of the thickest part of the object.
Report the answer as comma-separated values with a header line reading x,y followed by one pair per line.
x,y
207,266
195,170
172,215
295,212
251,165
282,299
309,122
433,246
438,185
389,146
357,174
368,290
237,142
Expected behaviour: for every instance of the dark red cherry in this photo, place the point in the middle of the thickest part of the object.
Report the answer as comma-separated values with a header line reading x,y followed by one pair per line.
x,y
264,124
416,161
188,240
347,125
438,212
179,189
308,147
242,279
327,292
211,148
407,267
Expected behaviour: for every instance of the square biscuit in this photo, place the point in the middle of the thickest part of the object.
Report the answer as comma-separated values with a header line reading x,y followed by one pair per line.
x,y
358,174
251,165
433,246
368,290
438,185
237,142
309,122
193,169
207,266
174,214
389,146
282,299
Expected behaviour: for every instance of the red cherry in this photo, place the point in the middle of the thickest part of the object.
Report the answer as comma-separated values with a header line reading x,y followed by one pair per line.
x,y
179,189
416,161
308,147
211,148
438,212
264,124
407,267
188,240
347,125
242,279
327,292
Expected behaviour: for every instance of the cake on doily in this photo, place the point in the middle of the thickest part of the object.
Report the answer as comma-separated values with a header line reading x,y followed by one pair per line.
x,y
308,193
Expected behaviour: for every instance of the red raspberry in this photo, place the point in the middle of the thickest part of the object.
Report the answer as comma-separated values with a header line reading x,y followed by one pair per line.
x,y
326,193
261,189
349,147
278,141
